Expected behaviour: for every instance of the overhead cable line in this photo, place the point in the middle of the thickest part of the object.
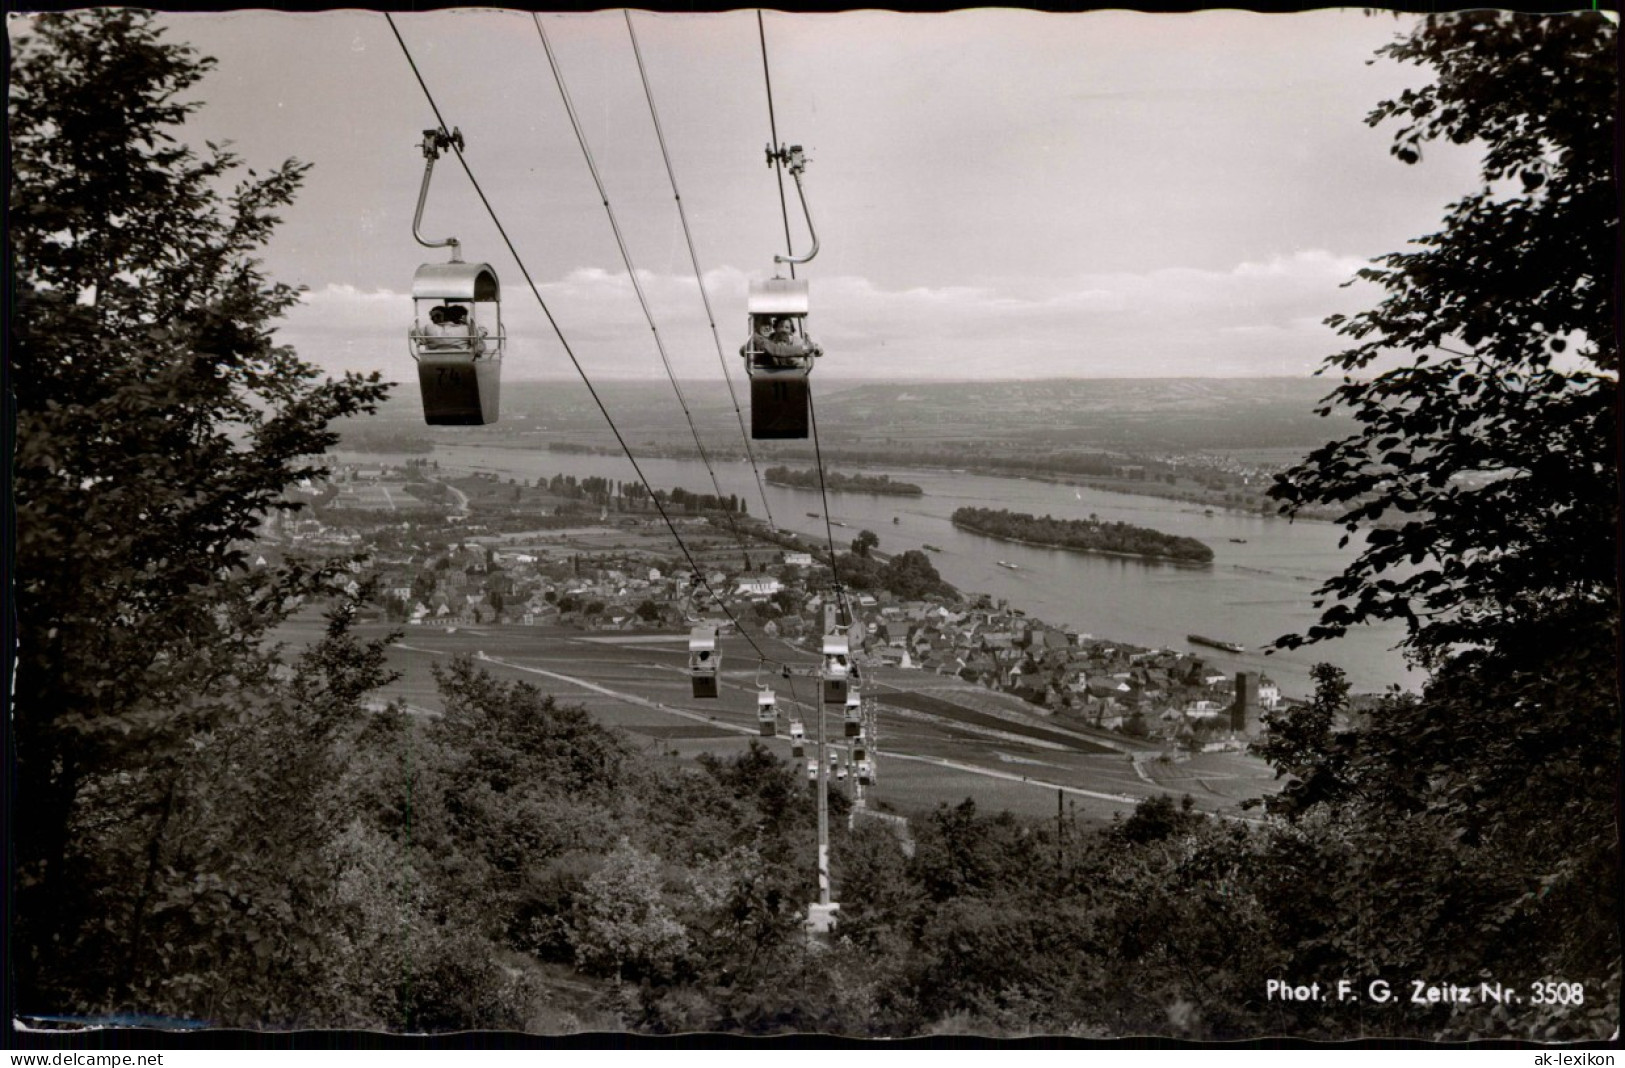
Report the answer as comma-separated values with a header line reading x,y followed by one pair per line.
x,y
626,257
773,128
694,259
632,274
829,531
559,333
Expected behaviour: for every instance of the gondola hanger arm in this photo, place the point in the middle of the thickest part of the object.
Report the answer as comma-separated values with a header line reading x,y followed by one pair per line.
x,y
795,161
435,142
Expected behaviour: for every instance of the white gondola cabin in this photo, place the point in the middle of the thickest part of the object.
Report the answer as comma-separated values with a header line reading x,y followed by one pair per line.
x,y
812,771
866,773
778,358
798,738
837,669
767,717
703,661
854,714
457,339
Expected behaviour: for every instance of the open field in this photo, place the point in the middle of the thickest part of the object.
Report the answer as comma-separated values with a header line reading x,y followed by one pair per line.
x,y
378,496
935,747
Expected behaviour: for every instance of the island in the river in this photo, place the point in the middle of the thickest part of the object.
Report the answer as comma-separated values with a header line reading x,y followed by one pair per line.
x,y
835,482
1082,535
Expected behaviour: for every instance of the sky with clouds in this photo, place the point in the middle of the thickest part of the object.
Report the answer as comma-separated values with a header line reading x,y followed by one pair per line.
x,y
997,193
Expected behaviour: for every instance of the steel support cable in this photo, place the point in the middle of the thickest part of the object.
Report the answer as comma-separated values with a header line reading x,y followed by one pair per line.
x,y
559,333
626,257
829,530
632,274
773,128
699,279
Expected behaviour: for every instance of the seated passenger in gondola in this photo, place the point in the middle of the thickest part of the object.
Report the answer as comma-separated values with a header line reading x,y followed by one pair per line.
x,y
471,338
434,336
790,346
756,348
786,346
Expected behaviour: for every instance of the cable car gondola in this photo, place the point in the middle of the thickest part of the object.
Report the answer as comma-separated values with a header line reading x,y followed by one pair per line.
x,y
778,353
798,738
854,714
766,717
837,669
778,358
703,661
459,357
866,773
457,337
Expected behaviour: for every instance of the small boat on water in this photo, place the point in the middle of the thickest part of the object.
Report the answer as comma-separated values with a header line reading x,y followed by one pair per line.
x,y
814,515
1012,567
933,548
1229,647
1239,541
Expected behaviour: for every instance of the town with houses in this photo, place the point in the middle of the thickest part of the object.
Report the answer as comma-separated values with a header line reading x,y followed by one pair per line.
x,y
448,563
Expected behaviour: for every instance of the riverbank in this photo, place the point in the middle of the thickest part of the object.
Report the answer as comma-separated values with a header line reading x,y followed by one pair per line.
x,y
1184,489
1255,590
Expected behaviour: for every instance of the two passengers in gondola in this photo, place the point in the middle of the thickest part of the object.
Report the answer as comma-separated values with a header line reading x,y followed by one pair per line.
x,y
774,343
450,331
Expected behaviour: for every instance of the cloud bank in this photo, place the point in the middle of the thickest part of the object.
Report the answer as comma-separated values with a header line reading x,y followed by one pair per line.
x,y
1255,319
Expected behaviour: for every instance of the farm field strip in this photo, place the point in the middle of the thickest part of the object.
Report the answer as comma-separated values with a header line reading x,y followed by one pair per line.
x,y
623,683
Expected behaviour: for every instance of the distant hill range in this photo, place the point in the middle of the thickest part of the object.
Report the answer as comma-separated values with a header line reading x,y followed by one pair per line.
x,y
1129,415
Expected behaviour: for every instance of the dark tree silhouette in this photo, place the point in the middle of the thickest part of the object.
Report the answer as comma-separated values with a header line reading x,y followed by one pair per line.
x,y
1489,453
156,426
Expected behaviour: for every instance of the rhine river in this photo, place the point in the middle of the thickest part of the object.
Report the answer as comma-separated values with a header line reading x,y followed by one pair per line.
x,y
1259,586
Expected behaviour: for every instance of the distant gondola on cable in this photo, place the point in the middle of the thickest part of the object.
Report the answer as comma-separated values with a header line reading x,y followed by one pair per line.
x,y
837,670
778,353
457,337
767,717
704,661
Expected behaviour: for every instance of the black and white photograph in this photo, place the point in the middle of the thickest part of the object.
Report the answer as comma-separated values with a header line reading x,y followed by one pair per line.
x,y
1099,527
